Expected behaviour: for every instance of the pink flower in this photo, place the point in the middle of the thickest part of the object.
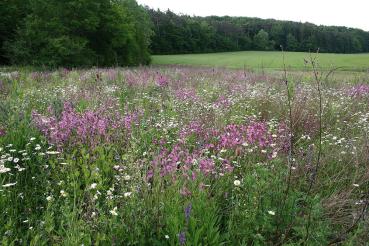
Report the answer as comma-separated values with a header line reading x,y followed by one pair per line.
x,y
359,90
88,128
162,81
2,132
207,166
222,102
188,95
185,191
181,159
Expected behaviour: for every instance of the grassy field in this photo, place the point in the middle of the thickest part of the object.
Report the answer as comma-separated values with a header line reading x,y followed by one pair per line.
x,y
266,60
173,155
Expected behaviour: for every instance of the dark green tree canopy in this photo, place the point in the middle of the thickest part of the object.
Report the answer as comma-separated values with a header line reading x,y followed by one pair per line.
x,y
185,34
120,32
261,40
291,42
79,33
12,13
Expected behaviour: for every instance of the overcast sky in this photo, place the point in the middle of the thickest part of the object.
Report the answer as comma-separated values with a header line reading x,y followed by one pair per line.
x,y
352,13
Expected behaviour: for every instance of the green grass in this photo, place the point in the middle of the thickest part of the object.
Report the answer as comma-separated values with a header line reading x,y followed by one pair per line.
x,y
271,60
163,155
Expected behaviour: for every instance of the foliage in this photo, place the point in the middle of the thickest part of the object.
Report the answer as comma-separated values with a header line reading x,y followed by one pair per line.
x,y
261,40
180,156
12,12
177,34
291,43
78,33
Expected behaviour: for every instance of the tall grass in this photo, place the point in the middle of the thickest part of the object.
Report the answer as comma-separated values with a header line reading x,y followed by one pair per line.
x,y
183,156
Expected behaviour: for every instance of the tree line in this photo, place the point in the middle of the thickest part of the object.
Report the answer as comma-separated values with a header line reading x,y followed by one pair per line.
x,y
185,34
74,33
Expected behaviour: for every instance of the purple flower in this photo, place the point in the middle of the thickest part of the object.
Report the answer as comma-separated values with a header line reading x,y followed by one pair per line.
x,y
187,95
111,74
187,211
2,132
196,142
185,192
182,238
162,81
222,102
89,128
359,90
207,166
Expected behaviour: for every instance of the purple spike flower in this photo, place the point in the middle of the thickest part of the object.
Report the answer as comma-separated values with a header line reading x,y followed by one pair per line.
x,y
182,238
188,212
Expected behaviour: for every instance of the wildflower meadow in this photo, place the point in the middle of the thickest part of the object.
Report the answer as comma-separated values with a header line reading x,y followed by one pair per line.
x,y
176,155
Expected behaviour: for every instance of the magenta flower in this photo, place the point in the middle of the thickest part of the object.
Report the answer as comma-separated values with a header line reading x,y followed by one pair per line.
x,y
207,166
188,158
89,127
222,102
185,192
162,81
187,95
2,132
359,90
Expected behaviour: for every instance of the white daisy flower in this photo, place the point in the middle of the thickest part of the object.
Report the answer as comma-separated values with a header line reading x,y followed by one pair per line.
x,y
271,212
127,194
114,211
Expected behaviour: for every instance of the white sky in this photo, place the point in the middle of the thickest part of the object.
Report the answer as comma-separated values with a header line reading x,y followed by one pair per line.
x,y
350,13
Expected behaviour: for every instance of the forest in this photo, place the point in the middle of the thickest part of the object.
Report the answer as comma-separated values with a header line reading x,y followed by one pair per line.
x,y
84,33
74,33
176,34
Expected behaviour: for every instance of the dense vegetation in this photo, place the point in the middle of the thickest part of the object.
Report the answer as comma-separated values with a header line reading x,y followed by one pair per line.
x,y
178,155
176,34
74,33
182,156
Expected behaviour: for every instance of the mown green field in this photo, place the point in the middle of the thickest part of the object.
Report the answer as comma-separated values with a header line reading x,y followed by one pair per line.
x,y
272,60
